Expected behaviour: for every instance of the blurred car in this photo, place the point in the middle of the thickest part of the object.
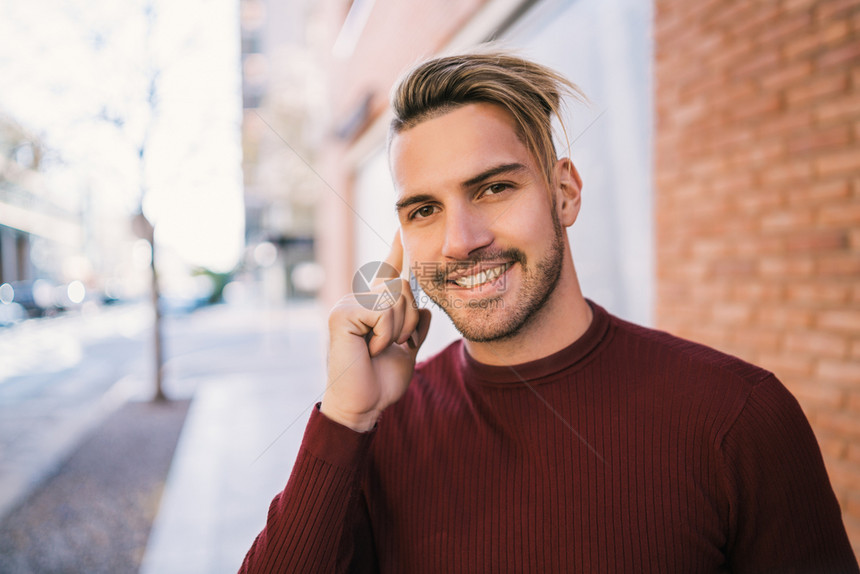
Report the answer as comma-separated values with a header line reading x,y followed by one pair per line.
x,y
36,296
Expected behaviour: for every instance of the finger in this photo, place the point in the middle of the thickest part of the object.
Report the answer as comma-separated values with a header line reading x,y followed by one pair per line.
x,y
387,328
420,335
411,317
395,256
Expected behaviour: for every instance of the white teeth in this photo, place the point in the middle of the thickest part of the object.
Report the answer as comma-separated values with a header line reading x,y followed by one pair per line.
x,y
472,281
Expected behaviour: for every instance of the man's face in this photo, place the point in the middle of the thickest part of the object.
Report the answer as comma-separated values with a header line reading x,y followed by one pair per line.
x,y
478,222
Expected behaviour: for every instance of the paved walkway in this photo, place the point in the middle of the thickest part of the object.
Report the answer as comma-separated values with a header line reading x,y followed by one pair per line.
x,y
59,379
240,438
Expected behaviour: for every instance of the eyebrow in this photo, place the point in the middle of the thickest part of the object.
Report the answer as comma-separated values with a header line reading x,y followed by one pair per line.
x,y
471,182
493,172
411,200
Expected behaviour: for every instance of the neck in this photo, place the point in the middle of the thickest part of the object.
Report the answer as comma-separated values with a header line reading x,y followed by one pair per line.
x,y
561,321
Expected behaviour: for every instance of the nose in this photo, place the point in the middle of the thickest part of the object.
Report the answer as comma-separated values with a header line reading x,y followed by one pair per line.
x,y
465,231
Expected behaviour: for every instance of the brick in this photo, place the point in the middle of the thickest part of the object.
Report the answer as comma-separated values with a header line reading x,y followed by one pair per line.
x,y
762,245
816,344
834,162
757,200
786,220
789,173
816,240
847,264
730,313
708,291
786,75
748,291
761,341
843,55
841,424
725,59
732,92
818,397
734,182
762,16
760,153
707,167
786,267
831,446
834,136
802,46
757,62
688,113
728,14
853,402
818,192
842,213
821,293
783,317
786,366
732,268
796,5
784,26
841,321
786,125
833,8
817,88
754,109
824,35
846,108
852,454
710,248
839,372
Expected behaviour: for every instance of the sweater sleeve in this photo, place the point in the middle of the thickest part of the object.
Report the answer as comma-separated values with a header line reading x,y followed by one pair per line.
x,y
783,514
319,523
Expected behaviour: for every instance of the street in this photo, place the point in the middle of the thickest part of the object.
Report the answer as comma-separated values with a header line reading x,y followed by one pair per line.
x,y
60,377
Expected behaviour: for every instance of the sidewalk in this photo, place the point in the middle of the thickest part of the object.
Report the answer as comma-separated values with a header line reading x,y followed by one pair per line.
x,y
238,444
52,394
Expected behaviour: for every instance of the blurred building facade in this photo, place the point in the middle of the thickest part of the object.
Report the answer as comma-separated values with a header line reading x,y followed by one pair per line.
x,y
741,233
55,232
281,85
30,211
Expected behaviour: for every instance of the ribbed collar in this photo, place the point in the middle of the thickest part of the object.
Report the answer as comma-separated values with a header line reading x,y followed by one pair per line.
x,y
533,370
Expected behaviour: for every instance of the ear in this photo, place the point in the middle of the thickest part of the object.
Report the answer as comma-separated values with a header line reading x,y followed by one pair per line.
x,y
568,191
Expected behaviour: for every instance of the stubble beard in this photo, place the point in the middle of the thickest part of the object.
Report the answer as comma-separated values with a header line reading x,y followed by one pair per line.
x,y
494,319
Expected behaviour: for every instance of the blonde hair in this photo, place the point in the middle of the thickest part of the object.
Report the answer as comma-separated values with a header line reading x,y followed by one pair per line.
x,y
530,92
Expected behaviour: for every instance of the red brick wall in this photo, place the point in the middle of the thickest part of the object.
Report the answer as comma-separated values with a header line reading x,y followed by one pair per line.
x,y
758,200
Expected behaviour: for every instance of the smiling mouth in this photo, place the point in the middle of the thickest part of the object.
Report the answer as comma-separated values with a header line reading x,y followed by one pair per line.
x,y
482,277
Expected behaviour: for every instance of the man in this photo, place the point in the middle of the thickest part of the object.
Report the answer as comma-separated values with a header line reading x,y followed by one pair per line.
x,y
553,437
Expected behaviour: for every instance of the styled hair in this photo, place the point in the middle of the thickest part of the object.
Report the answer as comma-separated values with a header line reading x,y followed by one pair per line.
x,y
530,92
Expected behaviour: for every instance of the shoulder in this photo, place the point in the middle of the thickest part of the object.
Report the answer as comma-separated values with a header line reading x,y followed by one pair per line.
x,y
685,361
686,383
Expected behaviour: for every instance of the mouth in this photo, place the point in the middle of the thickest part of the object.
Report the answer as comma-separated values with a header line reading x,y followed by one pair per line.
x,y
482,277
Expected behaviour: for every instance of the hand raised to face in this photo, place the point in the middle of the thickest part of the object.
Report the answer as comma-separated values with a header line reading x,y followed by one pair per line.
x,y
374,338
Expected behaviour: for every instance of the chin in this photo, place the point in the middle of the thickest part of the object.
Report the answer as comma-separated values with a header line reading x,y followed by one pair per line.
x,y
487,320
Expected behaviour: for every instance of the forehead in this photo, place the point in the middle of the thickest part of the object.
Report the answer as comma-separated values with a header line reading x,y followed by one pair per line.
x,y
449,149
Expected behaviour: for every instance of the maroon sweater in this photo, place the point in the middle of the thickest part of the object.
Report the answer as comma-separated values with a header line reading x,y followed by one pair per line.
x,y
628,451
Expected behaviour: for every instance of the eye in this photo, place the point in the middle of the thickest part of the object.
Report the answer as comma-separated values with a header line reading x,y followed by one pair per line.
x,y
423,212
496,188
